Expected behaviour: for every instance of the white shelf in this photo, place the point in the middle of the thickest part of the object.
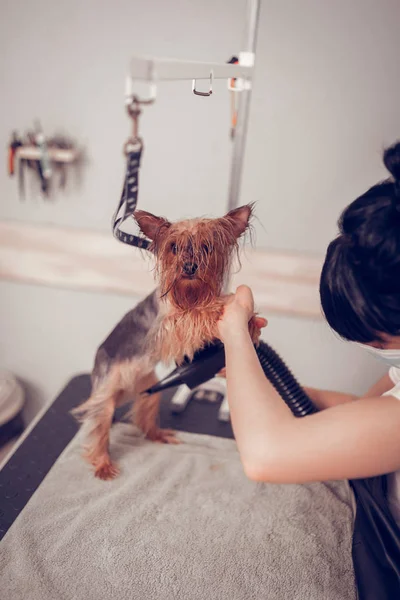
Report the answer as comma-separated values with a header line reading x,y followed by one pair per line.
x,y
282,283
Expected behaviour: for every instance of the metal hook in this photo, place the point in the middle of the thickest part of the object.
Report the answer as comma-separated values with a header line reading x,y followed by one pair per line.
x,y
197,93
133,106
131,98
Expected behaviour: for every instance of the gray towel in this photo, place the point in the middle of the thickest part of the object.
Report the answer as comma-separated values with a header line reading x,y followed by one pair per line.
x,y
180,522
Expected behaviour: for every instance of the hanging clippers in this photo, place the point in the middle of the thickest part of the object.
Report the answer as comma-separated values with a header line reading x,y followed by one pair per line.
x,y
36,165
12,151
44,161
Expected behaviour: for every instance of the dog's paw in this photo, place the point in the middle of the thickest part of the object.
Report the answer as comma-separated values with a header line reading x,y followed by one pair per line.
x,y
163,436
106,470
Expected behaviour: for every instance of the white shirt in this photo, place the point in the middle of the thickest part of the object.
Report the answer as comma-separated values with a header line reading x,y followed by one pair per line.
x,y
394,478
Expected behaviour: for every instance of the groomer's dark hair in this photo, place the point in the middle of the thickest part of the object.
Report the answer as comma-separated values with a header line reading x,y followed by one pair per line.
x,y
360,280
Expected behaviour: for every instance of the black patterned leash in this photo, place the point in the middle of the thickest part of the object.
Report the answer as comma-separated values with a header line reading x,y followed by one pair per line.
x,y
128,202
127,205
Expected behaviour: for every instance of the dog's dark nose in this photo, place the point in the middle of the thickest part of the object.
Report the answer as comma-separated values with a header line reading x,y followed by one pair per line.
x,y
189,268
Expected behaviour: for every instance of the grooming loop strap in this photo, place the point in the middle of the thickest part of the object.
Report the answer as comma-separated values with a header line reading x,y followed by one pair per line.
x,y
129,196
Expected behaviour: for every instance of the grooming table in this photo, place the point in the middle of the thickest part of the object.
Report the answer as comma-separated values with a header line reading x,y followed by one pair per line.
x,y
50,433
44,441
167,527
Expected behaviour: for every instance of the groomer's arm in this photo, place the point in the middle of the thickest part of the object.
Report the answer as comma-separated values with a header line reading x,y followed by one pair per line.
x,y
350,440
327,399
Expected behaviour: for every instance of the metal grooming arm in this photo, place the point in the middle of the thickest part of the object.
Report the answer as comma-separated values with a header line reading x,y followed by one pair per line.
x,y
154,70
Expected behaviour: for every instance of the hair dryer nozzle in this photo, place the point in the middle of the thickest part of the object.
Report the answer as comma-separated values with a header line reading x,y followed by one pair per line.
x,y
205,365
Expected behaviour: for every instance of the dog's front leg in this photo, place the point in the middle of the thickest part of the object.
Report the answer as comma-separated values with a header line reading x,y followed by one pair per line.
x,y
146,413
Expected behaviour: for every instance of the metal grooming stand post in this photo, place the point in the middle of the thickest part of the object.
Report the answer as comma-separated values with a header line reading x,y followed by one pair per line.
x,y
154,70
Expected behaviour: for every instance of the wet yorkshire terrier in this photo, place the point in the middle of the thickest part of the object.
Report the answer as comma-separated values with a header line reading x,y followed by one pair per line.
x,y
193,260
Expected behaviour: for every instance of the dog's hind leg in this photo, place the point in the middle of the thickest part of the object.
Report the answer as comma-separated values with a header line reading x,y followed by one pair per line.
x,y
96,414
146,413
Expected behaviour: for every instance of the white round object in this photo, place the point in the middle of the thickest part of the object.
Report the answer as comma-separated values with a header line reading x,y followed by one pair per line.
x,y
12,397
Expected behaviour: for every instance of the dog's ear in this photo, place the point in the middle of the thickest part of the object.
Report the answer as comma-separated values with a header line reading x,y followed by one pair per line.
x,y
149,224
239,218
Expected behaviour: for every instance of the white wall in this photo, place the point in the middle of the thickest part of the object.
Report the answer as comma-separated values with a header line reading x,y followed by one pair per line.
x,y
76,80
48,335
325,101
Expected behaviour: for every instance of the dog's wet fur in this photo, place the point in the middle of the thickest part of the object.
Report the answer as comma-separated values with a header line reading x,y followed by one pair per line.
x,y
193,260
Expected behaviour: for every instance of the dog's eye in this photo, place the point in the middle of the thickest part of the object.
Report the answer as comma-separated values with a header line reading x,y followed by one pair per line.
x,y
174,248
206,249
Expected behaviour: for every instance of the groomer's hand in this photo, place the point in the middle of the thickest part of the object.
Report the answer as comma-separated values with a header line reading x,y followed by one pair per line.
x,y
239,309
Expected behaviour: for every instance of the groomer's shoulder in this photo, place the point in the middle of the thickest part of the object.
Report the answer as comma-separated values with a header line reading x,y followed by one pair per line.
x,y
386,383
394,374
